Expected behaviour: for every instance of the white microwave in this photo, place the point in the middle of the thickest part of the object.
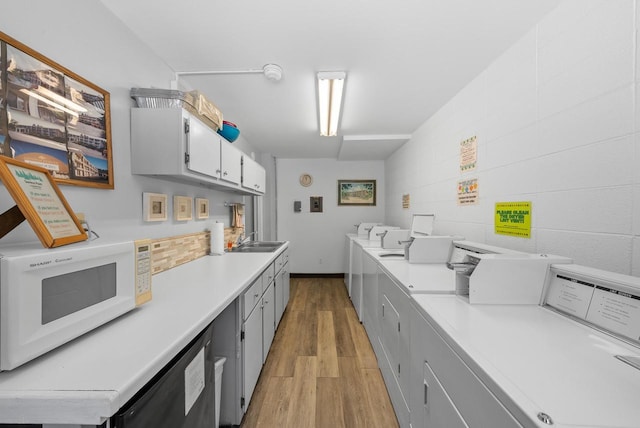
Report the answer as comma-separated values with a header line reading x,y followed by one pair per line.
x,y
51,296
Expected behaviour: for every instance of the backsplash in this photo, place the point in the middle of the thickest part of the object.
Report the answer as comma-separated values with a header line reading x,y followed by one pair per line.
x,y
174,251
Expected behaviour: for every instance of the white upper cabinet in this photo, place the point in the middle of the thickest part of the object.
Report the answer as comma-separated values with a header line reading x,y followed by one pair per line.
x,y
175,145
231,170
203,148
253,175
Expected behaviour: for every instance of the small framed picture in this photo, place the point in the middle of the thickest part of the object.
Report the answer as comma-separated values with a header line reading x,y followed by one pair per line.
x,y
154,206
182,208
202,208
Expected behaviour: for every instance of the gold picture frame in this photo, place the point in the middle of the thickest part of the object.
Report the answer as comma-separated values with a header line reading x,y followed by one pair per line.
x,y
39,201
53,118
182,208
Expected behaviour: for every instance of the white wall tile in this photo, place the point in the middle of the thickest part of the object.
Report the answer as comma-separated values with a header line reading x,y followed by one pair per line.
x,y
593,33
636,208
563,18
578,83
578,168
519,178
512,148
560,129
608,116
635,264
606,210
608,252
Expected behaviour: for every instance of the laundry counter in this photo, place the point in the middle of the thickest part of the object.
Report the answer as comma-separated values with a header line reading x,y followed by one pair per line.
x,y
538,362
87,380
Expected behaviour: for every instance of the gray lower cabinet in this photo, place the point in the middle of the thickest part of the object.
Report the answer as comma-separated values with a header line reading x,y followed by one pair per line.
x,y
393,316
370,291
244,332
438,410
252,352
444,391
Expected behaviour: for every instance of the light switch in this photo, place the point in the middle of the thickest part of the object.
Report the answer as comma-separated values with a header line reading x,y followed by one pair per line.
x,y
297,206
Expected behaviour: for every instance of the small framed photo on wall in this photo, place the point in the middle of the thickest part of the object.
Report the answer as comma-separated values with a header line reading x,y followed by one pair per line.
x,y
154,206
202,208
182,208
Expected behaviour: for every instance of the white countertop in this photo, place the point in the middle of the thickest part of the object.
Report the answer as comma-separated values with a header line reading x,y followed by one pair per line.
x,y
89,379
540,361
415,277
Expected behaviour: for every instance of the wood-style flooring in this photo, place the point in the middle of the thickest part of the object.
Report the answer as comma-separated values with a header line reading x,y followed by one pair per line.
x,y
321,370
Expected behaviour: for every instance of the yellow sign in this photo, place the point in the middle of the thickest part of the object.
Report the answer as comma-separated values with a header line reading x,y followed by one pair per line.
x,y
513,219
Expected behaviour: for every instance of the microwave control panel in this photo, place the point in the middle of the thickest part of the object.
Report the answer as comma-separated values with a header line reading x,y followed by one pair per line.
x,y
143,271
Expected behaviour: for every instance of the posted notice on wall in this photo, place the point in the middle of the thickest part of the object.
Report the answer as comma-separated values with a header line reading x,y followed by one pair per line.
x,y
468,154
513,219
468,192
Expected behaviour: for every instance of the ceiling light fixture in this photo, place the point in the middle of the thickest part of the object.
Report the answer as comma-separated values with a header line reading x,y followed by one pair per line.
x,y
272,72
330,90
49,102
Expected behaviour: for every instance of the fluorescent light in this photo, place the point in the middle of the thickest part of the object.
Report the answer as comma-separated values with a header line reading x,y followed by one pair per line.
x,y
60,99
330,89
48,101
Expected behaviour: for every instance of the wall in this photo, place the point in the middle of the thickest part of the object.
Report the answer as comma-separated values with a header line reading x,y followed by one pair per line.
x,y
318,239
558,120
86,38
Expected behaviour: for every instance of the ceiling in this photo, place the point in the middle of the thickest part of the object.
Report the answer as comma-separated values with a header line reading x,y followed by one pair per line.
x,y
404,59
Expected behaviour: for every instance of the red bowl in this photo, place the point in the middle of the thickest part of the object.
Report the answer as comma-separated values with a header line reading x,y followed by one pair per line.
x,y
226,122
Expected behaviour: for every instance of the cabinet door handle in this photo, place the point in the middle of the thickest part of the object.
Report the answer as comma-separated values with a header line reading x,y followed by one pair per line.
x,y
217,171
225,173
426,393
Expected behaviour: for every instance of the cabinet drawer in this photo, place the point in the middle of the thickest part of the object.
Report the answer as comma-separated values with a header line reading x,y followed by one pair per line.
x,y
477,405
268,276
282,260
251,297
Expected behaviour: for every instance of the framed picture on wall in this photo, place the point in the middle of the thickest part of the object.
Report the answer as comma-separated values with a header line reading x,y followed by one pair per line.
x,y
54,119
154,206
202,208
182,208
357,192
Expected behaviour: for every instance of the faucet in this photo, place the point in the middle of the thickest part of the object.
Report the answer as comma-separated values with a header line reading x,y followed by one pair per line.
x,y
244,240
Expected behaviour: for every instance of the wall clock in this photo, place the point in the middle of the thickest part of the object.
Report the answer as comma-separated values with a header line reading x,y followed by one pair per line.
x,y
306,180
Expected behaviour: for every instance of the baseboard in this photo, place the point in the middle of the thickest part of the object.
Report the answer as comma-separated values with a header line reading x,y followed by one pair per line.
x,y
317,275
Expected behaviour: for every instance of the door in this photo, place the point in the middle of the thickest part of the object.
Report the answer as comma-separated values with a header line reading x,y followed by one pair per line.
x,y
390,323
356,280
279,296
439,410
203,148
268,319
231,163
252,353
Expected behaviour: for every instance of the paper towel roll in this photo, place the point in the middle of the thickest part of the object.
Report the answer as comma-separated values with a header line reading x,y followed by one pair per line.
x,y
217,238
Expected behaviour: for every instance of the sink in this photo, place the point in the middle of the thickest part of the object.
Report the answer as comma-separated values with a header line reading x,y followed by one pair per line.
x,y
258,247
254,244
